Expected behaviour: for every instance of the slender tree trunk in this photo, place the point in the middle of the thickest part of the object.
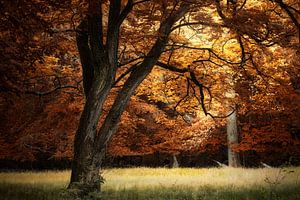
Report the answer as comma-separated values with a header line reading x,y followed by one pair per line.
x,y
233,139
175,163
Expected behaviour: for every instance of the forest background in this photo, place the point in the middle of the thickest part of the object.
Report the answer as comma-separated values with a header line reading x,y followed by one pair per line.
x,y
250,67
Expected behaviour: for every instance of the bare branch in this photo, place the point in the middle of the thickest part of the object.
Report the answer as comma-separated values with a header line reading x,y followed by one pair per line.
x,y
51,91
125,73
130,61
125,12
139,2
200,86
286,8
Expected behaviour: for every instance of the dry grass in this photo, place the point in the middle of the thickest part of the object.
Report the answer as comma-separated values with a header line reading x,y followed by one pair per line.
x,y
163,183
193,178
31,177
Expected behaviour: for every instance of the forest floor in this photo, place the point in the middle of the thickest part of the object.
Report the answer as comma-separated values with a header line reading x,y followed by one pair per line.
x,y
161,184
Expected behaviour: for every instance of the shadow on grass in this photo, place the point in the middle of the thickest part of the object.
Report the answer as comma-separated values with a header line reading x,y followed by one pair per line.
x,y
48,192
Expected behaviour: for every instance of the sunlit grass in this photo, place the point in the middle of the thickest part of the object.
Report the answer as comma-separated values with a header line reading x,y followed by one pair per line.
x,y
224,177
163,183
55,178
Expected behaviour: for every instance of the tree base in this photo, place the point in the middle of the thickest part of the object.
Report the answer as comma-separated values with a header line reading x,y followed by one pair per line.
x,y
79,190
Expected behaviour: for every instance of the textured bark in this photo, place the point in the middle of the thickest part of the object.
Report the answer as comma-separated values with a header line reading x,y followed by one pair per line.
x,y
83,172
94,59
233,139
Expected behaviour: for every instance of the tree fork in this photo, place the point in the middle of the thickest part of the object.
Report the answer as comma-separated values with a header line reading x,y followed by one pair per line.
x,y
137,75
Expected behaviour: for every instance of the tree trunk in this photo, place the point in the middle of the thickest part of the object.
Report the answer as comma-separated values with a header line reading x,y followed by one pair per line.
x,y
85,175
175,163
98,78
232,139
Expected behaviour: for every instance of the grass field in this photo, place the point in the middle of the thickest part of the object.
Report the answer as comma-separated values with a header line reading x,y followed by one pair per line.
x,y
161,183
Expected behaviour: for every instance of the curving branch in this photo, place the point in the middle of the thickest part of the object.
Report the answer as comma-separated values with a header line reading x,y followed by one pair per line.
x,y
200,86
242,6
125,12
192,79
287,8
37,93
128,71
219,10
212,53
210,24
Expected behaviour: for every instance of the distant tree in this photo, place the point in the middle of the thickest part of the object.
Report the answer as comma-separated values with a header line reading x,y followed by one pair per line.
x,y
233,139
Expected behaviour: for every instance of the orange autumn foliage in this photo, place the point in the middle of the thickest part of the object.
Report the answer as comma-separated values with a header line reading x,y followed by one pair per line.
x,y
161,116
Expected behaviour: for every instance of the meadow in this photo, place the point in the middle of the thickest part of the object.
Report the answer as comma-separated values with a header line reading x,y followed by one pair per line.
x,y
161,184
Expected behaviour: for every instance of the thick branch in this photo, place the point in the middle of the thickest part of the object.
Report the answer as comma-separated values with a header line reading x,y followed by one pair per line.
x,y
96,37
125,12
115,20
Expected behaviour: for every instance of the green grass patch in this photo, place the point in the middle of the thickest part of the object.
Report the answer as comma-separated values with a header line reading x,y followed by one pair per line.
x,y
161,183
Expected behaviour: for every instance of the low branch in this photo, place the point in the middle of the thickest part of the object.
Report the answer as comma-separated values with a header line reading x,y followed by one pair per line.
x,y
37,93
193,79
128,71
189,47
201,87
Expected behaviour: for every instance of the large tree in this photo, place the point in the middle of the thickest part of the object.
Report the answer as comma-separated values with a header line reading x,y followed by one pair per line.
x,y
102,31
99,49
209,46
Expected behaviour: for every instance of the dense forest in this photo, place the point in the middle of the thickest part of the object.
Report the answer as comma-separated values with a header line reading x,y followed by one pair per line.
x,y
148,83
